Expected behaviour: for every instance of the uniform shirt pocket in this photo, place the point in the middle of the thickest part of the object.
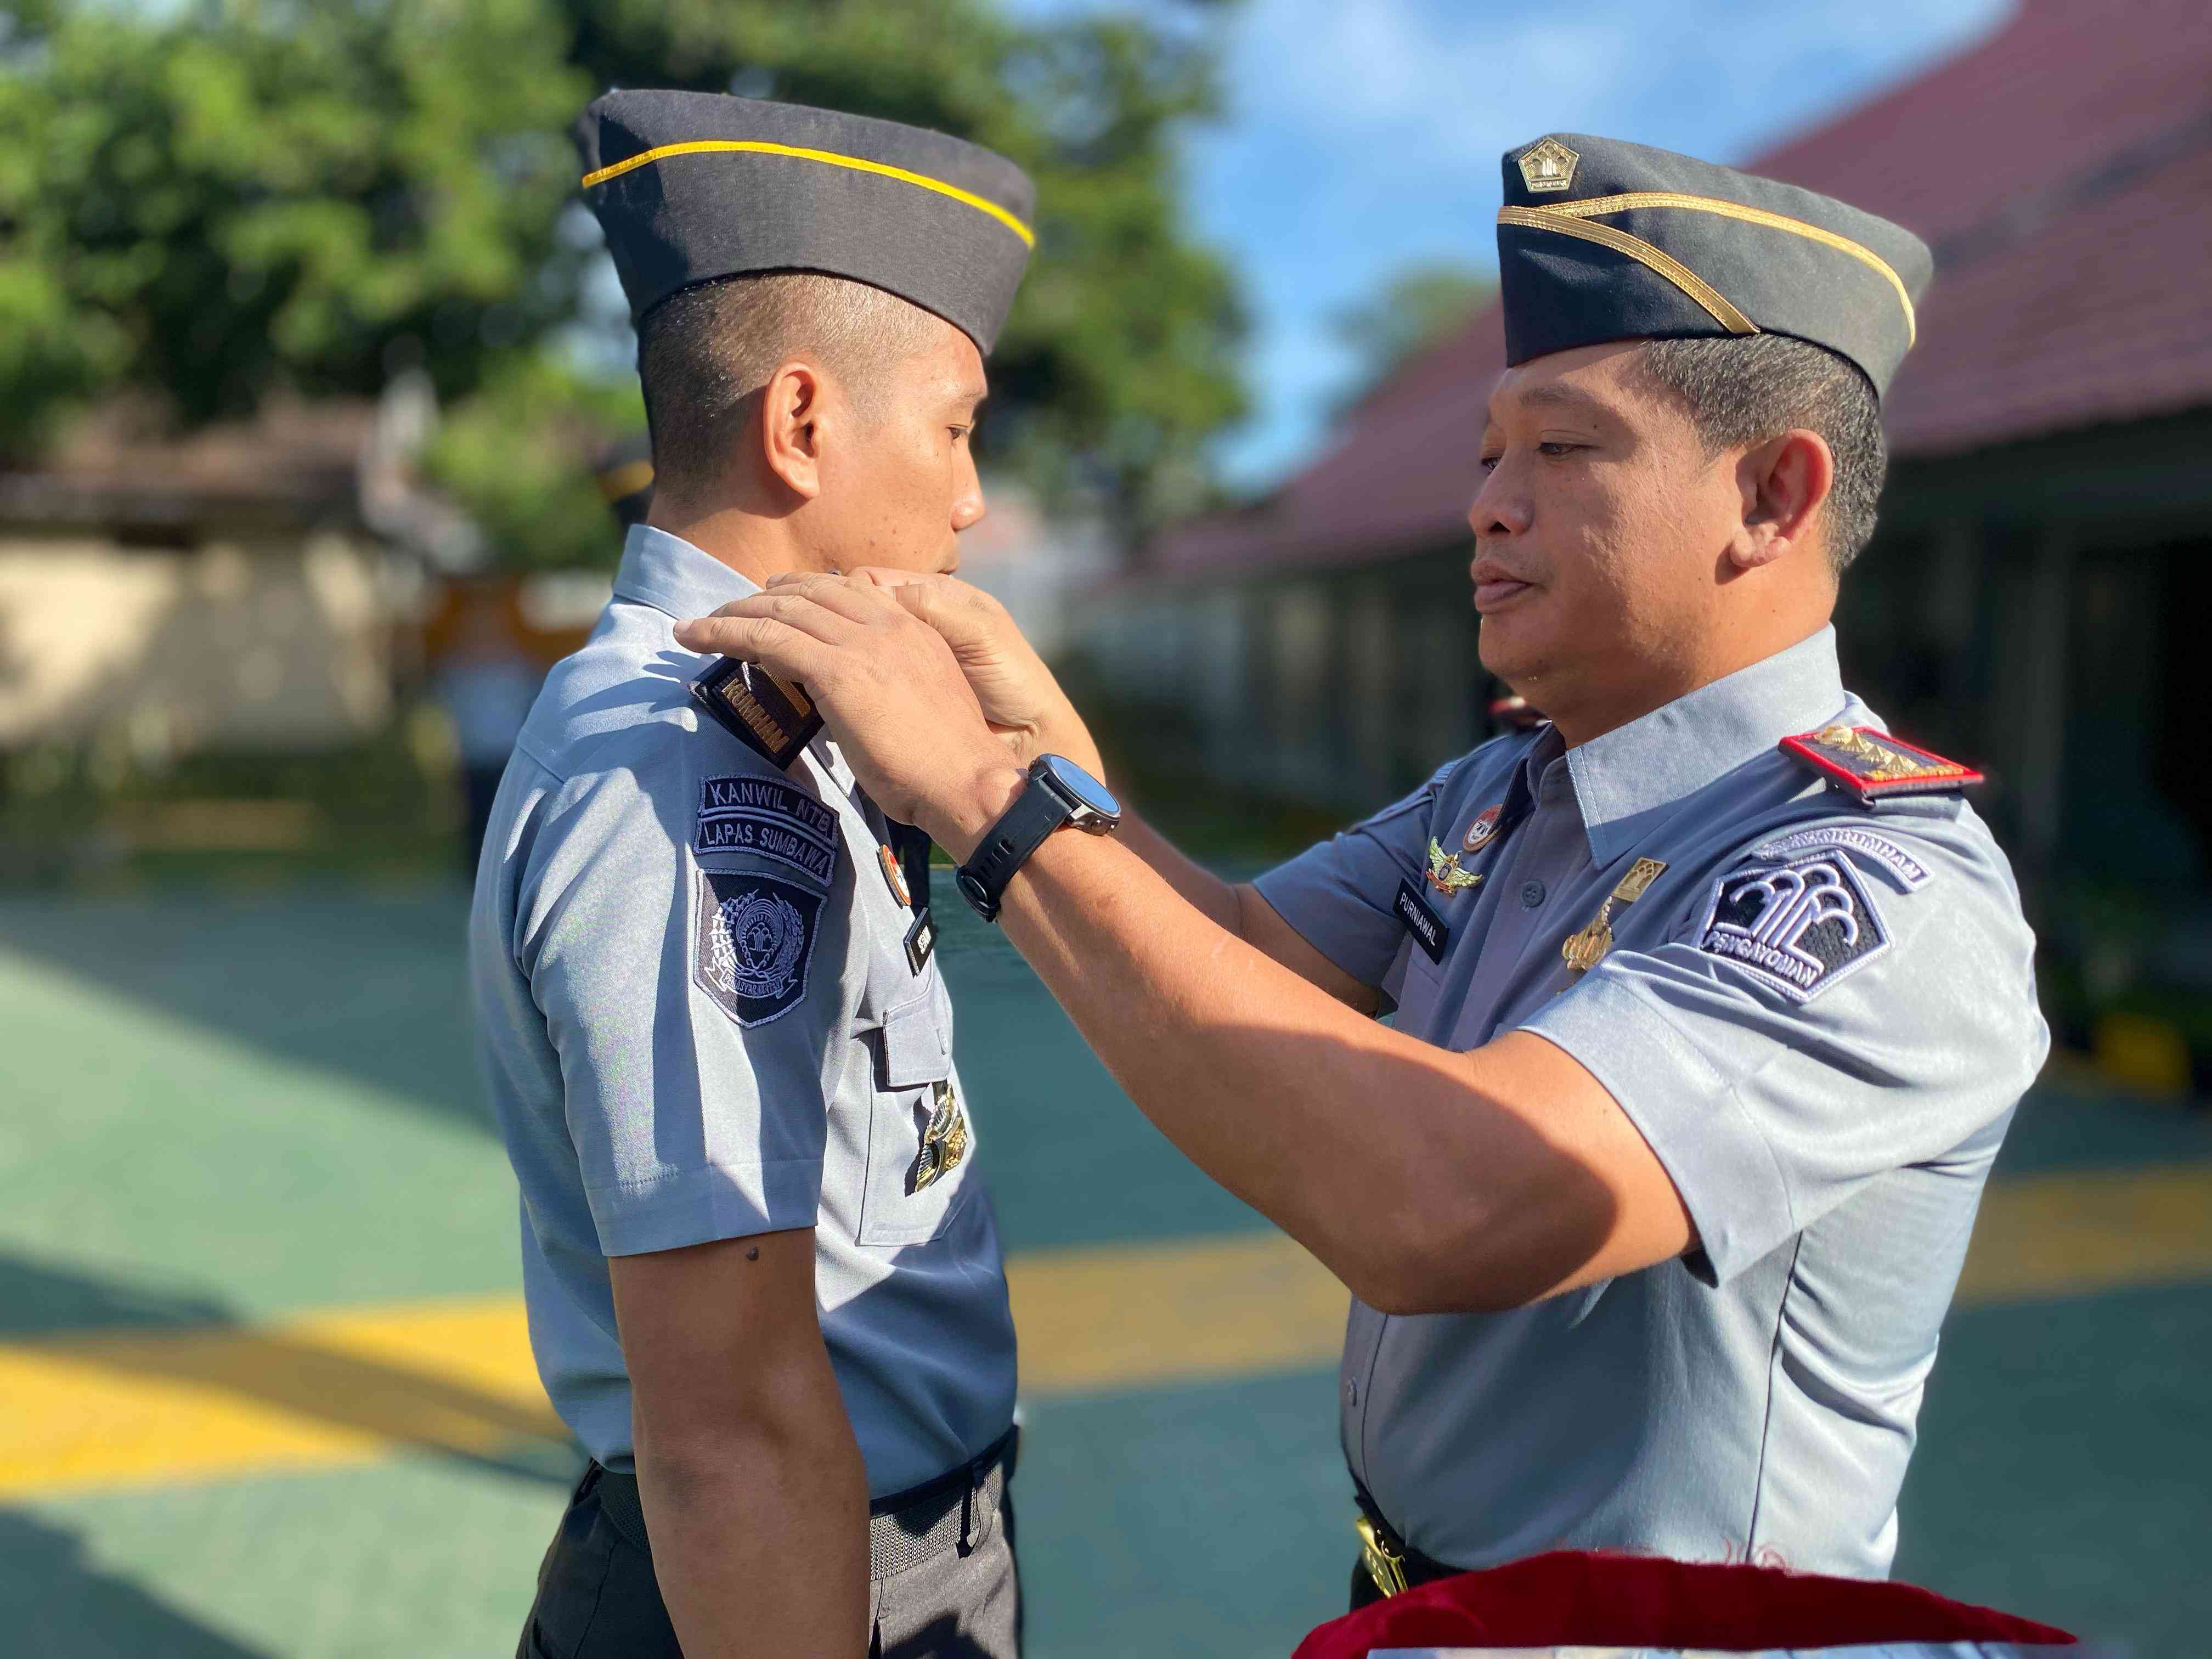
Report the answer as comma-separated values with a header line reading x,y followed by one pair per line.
x,y
920,1140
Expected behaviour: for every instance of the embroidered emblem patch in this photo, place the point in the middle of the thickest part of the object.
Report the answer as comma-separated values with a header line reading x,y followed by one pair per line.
x,y
1426,926
1798,925
1911,874
755,942
1481,833
768,817
1871,764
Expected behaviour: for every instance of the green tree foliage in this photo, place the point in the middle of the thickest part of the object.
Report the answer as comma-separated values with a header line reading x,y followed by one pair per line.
x,y
1416,308
513,450
245,194
213,202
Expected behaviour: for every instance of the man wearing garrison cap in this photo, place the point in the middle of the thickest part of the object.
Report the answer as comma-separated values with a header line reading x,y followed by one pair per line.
x,y
1713,998
762,1273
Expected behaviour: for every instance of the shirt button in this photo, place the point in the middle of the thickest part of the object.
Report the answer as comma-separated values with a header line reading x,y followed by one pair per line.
x,y
1532,893
1351,1391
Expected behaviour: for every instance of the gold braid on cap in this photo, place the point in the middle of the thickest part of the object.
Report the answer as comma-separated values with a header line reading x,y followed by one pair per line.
x,y
1573,219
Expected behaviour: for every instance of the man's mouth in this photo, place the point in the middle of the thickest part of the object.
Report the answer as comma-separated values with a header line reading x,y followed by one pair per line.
x,y
1494,589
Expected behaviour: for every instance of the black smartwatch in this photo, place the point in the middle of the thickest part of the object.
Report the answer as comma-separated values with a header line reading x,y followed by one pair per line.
x,y
1059,794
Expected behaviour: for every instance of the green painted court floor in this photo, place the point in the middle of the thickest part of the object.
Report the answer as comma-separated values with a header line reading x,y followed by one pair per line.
x,y
227,1108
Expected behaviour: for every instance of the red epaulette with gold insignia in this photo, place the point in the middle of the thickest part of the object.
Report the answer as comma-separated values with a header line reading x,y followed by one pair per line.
x,y
1872,764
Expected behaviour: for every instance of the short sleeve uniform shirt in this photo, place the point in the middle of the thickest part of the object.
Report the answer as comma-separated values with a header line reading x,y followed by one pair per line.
x,y
700,1021
1819,1014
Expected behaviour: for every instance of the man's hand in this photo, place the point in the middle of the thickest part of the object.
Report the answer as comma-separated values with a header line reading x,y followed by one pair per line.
x,y
1018,695
893,695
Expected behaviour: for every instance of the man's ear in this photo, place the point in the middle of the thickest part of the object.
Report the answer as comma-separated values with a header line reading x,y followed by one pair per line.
x,y
791,407
1783,482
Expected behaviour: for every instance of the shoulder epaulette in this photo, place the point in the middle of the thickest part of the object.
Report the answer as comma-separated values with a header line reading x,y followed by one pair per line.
x,y
774,718
1872,764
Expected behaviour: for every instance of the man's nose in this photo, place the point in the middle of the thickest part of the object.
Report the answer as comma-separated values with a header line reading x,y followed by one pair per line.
x,y
967,507
1498,509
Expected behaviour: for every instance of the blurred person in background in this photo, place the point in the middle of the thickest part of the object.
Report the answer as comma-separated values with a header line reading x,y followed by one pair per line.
x,y
624,476
764,1278
485,681
1713,1001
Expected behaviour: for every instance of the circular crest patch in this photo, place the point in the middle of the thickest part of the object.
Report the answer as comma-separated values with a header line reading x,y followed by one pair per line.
x,y
756,940
1481,833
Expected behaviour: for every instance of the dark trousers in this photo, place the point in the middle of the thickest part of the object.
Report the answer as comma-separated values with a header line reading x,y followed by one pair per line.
x,y
598,1598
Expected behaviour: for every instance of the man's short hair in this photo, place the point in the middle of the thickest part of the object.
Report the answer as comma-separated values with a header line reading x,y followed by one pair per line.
x,y
703,351
1740,393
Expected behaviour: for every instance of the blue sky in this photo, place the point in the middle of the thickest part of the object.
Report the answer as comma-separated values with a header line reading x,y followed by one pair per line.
x,y
1364,135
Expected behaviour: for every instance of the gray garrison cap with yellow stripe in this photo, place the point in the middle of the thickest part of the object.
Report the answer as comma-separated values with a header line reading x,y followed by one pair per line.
x,y
1604,240
691,187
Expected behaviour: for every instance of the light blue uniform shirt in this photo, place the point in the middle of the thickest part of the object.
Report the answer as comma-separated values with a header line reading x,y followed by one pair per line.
x,y
1820,1016
699,1021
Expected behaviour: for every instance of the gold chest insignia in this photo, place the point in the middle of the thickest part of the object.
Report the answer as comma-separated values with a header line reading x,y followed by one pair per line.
x,y
944,1142
1445,874
1548,167
1584,948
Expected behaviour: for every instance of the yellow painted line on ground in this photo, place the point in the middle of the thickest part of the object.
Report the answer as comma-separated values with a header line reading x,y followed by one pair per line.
x,y
2078,1232
1180,1310
332,1389
107,1407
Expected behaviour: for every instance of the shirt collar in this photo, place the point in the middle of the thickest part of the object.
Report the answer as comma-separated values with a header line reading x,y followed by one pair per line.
x,y
1623,778
671,576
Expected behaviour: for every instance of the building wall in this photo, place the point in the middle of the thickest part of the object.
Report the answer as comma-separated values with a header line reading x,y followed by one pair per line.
x,y
1344,689
237,643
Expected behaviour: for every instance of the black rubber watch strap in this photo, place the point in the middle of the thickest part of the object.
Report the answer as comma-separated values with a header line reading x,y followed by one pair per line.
x,y
1038,811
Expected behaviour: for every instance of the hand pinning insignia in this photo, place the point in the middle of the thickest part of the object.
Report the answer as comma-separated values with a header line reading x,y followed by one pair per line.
x,y
1445,874
1871,764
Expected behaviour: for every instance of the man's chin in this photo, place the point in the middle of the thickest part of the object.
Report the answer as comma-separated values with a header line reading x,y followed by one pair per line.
x,y
1511,647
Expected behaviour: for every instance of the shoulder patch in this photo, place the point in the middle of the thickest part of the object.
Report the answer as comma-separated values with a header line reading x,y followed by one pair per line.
x,y
1911,874
1796,924
754,944
769,816
772,717
1871,764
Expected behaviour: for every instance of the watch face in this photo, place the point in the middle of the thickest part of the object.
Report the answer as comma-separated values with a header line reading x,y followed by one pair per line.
x,y
1081,785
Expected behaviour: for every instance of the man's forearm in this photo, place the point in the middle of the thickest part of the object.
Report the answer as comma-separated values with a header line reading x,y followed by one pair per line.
x,y
1199,887
1324,1121
760,1538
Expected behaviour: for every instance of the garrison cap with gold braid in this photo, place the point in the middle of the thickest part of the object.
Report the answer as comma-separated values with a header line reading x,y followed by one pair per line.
x,y
1603,240
691,186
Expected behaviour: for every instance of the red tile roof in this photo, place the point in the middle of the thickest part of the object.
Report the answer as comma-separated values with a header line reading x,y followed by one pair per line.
x,y
2062,172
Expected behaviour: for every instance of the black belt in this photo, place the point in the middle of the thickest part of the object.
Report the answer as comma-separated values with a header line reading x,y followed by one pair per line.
x,y
1391,1562
903,1529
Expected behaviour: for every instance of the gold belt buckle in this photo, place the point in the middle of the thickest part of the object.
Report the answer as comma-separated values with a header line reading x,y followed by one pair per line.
x,y
1384,1565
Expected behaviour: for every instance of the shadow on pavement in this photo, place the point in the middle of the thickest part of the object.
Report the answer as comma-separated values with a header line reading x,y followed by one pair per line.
x,y
56,1602
343,977
106,1327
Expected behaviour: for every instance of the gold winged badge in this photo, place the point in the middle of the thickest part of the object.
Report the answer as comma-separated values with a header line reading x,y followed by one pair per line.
x,y
1445,874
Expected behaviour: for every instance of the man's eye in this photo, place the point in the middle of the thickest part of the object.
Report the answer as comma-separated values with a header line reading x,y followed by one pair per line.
x,y
959,432
1488,463
1555,450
